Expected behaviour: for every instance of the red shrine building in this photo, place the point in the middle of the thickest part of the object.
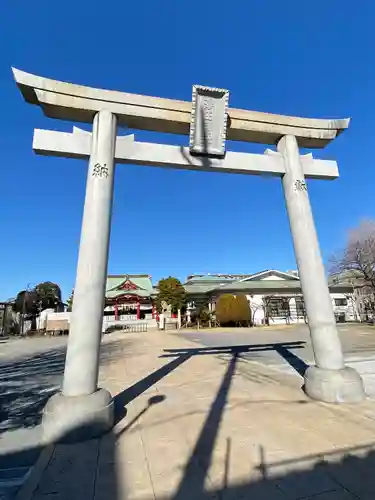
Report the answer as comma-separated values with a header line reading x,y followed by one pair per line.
x,y
129,297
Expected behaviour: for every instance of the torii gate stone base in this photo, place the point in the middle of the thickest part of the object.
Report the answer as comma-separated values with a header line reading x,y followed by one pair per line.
x,y
82,410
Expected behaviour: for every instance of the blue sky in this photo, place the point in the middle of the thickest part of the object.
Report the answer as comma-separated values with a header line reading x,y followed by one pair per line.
x,y
300,58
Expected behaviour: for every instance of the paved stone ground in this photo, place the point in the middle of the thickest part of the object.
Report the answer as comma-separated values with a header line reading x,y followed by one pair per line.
x,y
289,348
206,423
30,372
358,340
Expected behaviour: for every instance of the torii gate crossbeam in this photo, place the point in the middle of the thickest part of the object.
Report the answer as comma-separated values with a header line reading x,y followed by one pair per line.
x,y
129,151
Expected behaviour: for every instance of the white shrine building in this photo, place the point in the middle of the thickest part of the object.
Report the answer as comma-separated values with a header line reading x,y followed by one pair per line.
x,y
275,297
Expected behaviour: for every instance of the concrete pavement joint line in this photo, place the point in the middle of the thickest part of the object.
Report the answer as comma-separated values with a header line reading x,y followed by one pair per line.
x,y
348,414
357,359
14,468
96,467
15,476
138,428
193,382
336,480
31,484
269,378
147,462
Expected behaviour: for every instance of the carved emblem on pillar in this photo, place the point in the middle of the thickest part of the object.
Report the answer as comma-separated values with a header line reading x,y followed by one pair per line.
x,y
300,185
100,170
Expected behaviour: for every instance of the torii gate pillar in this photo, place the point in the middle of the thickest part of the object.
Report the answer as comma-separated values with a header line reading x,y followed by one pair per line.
x,y
329,380
82,410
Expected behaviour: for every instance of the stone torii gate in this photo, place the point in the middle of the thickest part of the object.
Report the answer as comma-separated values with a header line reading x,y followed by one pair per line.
x,y
82,409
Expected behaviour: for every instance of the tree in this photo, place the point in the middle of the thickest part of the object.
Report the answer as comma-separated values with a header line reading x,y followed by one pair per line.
x,y
256,306
243,311
225,307
266,308
26,302
356,262
46,295
70,301
201,315
358,255
233,309
49,295
172,292
31,302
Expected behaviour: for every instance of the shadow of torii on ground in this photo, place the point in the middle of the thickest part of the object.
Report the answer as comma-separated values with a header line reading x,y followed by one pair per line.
x,y
181,356
284,349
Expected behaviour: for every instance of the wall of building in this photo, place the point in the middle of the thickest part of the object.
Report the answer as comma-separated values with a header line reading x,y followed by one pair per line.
x,y
257,305
61,321
273,277
348,310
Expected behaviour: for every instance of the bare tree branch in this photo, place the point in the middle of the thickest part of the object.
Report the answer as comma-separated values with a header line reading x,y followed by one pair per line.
x,y
356,262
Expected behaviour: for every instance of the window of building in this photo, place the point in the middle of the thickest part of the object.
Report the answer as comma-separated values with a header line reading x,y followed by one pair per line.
x,y
300,307
278,307
341,302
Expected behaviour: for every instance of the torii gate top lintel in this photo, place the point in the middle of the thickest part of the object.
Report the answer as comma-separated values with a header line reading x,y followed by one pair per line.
x,y
79,103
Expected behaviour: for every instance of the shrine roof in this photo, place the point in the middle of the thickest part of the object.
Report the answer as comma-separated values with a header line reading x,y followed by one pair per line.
x,y
274,286
112,294
200,288
129,284
207,279
258,286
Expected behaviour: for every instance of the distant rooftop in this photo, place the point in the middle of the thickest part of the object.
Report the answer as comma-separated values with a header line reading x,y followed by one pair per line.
x,y
214,277
130,276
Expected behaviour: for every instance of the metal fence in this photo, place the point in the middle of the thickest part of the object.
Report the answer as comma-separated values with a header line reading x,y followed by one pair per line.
x,y
171,324
136,327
